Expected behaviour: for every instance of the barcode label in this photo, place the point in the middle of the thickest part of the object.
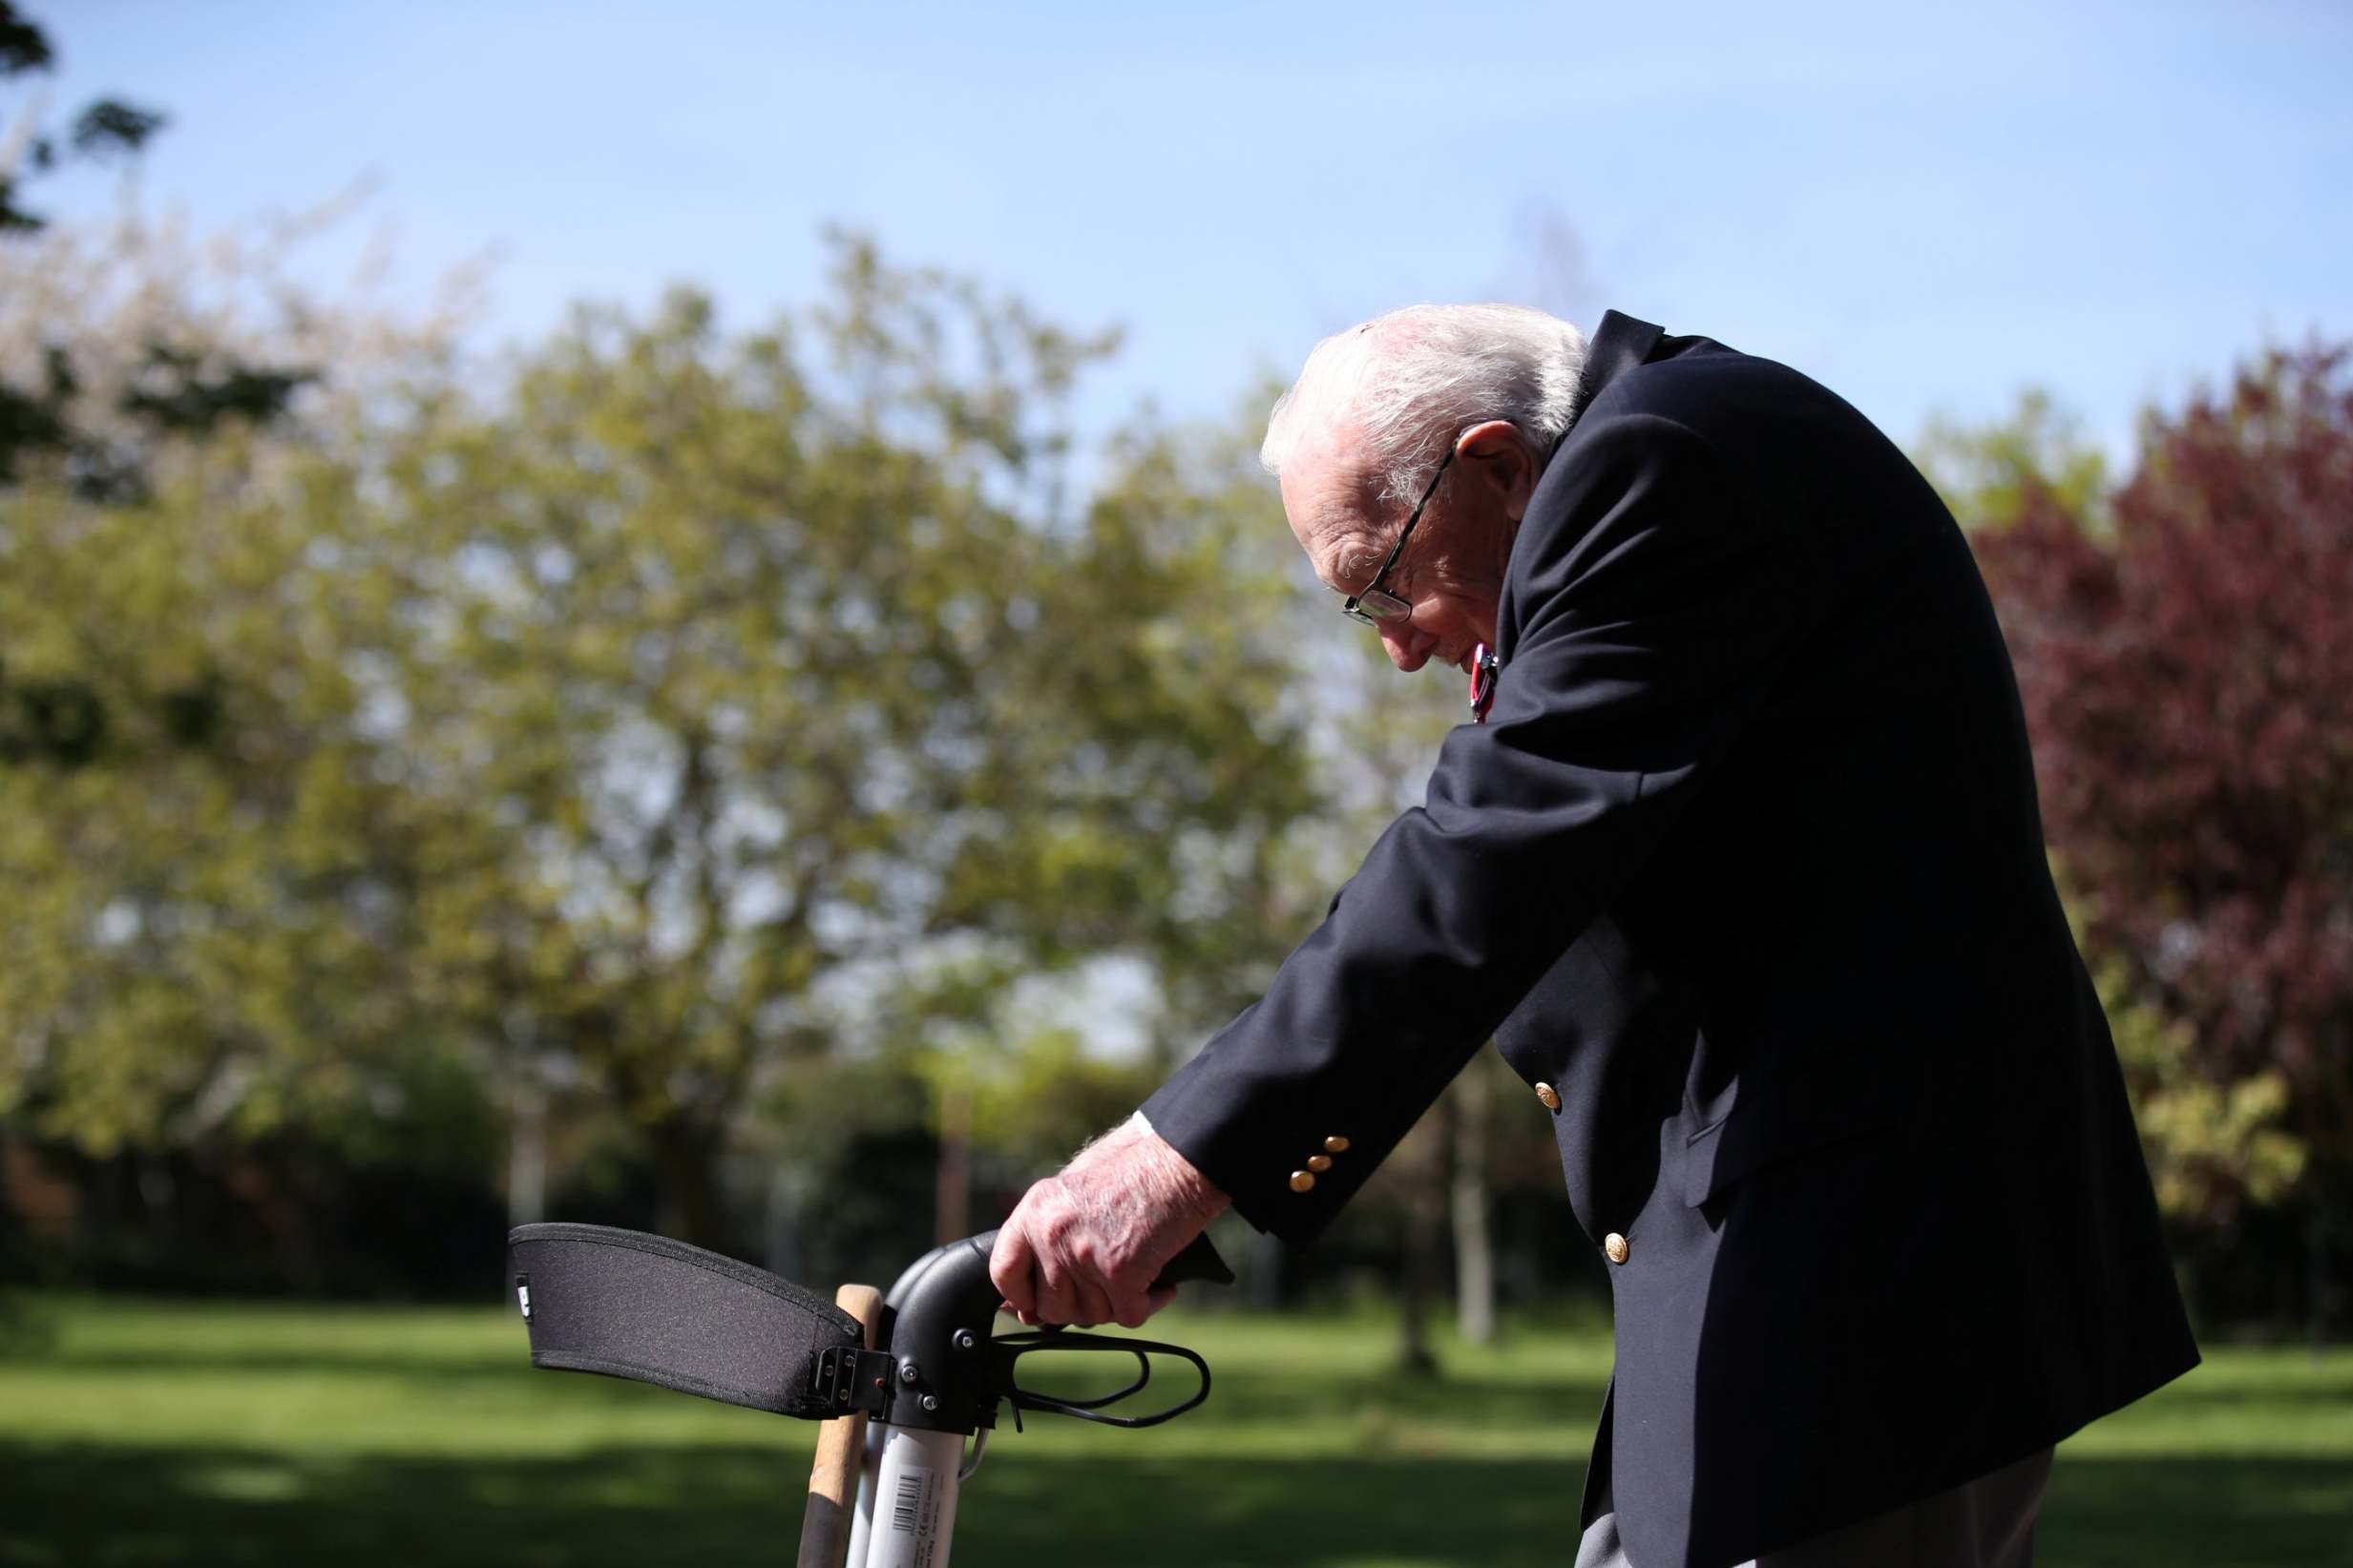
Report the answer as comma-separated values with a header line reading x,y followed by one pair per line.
x,y
921,1510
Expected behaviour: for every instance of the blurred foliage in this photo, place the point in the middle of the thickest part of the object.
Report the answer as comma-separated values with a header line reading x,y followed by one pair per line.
x,y
1987,473
628,731
2212,1144
770,661
61,409
104,128
1035,1104
206,932
877,1156
2187,671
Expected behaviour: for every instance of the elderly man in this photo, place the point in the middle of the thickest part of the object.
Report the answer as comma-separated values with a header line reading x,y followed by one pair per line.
x,y
1743,872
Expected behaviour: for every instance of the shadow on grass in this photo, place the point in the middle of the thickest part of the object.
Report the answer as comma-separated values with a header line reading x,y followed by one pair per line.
x,y
26,1329
107,1506
1255,1395
2224,1398
509,1362
1259,1394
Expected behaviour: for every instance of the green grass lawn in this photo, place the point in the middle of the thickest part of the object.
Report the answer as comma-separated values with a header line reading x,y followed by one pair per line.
x,y
142,1431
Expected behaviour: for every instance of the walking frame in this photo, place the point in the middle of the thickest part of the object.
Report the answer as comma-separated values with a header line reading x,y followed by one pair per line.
x,y
902,1382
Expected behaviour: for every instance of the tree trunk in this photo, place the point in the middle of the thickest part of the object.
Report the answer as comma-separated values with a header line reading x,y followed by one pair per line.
x,y
686,1183
783,1254
527,1156
2324,1295
951,1191
1262,1282
1425,1225
1474,1241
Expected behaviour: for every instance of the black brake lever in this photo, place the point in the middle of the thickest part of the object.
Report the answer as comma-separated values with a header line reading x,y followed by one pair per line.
x,y
1199,1262
1007,1349
1050,1336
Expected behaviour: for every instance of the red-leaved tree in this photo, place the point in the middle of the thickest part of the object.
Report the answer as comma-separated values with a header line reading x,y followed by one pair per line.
x,y
2186,662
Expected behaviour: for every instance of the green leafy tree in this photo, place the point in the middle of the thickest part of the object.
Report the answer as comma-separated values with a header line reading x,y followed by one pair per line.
x,y
198,938
628,734
1988,475
203,832
768,678
205,836
2218,1143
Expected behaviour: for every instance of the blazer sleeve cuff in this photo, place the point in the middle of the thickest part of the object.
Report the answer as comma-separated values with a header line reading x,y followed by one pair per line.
x,y
1287,1153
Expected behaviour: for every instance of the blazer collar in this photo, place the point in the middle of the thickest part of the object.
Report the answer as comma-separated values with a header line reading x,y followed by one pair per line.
x,y
1617,346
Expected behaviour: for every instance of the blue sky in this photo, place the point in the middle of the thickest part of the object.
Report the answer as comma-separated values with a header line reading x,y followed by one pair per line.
x,y
1928,208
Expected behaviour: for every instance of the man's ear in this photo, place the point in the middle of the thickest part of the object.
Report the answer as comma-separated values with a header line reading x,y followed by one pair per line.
x,y
1498,456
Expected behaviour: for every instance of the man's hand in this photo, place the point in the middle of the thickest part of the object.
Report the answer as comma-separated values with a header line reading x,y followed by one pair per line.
x,y
1084,1247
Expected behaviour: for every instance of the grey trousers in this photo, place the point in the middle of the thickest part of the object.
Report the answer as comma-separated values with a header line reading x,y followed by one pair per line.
x,y
1988,1523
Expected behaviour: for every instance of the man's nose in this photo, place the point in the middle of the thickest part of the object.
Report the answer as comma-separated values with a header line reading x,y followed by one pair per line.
x,y
1408,646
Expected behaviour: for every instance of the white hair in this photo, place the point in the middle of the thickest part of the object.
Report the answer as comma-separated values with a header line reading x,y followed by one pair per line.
x,y
1402,386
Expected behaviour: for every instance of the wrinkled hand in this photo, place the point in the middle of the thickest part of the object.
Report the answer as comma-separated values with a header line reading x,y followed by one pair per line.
x,y
1084,1246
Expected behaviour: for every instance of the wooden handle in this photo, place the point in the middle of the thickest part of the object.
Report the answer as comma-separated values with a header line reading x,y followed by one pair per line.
x,y
841,1447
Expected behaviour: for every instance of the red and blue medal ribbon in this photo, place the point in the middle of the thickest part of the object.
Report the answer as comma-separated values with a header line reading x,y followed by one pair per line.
x,y
1484,666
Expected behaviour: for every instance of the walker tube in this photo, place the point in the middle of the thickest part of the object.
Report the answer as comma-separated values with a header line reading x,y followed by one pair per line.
x,y
914,1500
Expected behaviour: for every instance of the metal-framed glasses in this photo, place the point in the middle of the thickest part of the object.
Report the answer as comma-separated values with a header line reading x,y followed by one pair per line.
x,y
1373,603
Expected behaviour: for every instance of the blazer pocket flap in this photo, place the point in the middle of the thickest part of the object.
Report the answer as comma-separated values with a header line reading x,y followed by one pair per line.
x,y
1763,1129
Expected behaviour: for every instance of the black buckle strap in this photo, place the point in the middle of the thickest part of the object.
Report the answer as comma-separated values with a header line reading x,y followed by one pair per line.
x,y
850,1381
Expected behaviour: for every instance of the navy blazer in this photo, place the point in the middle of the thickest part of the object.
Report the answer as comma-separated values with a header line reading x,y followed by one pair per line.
x,y
1745,870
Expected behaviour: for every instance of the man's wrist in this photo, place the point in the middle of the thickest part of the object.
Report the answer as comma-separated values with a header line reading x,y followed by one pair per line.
x,y
1181,1184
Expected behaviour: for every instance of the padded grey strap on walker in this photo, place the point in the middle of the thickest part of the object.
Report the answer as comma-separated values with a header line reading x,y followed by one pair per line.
x,y
629,1305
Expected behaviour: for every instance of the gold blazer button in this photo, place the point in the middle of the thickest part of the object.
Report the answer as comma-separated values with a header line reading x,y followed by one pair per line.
x,y
1550,1096
1302,1180
1614,1247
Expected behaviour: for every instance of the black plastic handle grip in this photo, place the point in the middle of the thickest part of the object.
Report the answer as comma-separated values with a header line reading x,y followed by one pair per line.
x,y
942,1308
1199,1262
